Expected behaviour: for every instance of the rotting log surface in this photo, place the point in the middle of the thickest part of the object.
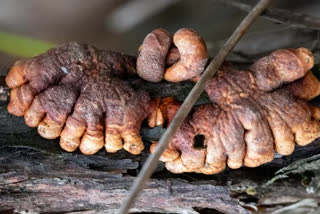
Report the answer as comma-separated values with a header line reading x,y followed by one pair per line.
x,y
36,175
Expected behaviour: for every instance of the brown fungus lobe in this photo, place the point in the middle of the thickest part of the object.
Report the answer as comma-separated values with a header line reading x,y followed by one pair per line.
x,y
251,116
193,56
77,92
152,56
158,58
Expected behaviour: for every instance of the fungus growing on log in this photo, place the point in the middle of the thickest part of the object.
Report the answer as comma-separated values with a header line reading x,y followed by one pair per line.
x,y
81,94
253,113
78,92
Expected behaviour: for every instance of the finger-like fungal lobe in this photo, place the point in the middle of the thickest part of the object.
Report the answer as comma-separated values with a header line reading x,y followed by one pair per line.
x,y
282,66
181,59
152,56
78,92
193,56
253,113
163,111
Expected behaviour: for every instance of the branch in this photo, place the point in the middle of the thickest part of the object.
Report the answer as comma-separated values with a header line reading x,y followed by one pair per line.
x,y
67,180
36,182
4,90
37,175
291,18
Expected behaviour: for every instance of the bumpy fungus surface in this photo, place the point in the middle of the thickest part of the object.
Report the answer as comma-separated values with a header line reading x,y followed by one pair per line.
x,y
78,92
254,112
158,58
152,56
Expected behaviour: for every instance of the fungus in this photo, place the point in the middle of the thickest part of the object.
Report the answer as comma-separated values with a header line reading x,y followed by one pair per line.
x,y
77,92
253,113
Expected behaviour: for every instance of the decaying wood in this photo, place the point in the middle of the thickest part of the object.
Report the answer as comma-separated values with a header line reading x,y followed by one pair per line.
x,y
36,175
60,185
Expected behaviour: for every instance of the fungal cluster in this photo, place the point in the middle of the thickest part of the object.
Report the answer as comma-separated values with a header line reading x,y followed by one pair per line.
x,y
81,94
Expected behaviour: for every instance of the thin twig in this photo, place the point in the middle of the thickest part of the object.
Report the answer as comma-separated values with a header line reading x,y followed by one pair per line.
x,y
4,90
294,19
152,160
315,43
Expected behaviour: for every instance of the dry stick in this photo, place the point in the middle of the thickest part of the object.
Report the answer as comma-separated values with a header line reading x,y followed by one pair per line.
x,y
295,19
4,90
185,108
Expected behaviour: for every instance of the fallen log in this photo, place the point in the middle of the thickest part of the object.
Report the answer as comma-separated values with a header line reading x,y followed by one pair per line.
x,y
37,176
